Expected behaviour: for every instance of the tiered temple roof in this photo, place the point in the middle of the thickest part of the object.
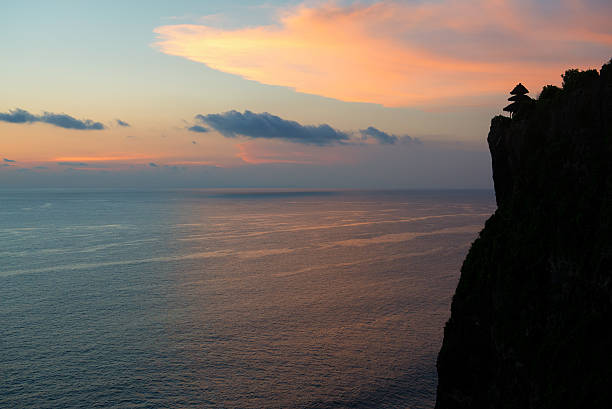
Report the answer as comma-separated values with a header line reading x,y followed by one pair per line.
x,y
518,98
519,90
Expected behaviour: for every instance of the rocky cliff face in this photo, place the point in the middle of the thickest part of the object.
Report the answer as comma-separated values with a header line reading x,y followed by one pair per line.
x,y
531,320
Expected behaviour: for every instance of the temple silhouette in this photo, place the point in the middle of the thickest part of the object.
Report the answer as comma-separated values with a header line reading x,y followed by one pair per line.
x,y
518,99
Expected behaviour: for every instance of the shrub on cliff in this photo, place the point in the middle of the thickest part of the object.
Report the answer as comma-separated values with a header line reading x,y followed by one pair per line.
x,y
549,92
574,78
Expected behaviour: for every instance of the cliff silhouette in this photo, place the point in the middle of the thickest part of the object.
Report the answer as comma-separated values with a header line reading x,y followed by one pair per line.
x,y
531,319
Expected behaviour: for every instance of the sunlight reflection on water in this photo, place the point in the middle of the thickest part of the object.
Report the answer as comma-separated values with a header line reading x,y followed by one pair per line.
x,y
228,299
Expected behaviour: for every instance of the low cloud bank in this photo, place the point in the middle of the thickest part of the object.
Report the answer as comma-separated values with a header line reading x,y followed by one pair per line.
x,y
197,128
74,164
264,125
385,138
21,116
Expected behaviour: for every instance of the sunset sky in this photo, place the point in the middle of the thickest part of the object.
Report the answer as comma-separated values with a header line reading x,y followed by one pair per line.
x,y
368,94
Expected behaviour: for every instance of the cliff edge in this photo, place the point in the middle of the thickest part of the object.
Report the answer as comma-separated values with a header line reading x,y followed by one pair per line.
x,y
531,319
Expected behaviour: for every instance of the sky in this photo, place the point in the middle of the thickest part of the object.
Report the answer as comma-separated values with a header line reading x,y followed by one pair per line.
x,y
287,94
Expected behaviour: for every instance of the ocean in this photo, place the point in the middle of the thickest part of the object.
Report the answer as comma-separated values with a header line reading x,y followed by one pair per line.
x,y
228,298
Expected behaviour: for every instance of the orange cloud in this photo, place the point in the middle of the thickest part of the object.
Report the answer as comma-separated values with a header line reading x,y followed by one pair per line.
x,y
399,54
101,158
194,163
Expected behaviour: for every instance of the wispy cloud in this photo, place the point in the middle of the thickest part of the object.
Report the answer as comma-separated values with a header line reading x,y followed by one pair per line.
x,y
406,53
107,158
122,123
153,165
20,116
197,128
9,160
74,164
264,125
385,138
382,137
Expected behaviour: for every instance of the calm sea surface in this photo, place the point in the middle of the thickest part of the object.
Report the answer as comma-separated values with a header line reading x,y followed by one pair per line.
x,y
248,299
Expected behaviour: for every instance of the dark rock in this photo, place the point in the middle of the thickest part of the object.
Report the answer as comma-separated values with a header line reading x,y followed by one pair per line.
x,y
531,319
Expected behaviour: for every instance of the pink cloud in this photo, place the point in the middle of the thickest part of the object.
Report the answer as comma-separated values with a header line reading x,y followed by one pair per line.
x,y
399,54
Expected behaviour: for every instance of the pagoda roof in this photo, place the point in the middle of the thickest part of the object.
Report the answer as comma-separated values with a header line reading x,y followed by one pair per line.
x,y
519,98
519,90
513,107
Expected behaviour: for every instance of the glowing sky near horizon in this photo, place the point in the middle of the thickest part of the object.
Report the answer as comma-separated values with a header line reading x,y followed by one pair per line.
x,y
275,93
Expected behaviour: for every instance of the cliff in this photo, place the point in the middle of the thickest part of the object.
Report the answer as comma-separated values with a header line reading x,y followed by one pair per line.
x,y
531,319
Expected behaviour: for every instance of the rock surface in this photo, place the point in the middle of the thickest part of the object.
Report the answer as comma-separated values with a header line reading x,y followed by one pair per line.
x,y
531,319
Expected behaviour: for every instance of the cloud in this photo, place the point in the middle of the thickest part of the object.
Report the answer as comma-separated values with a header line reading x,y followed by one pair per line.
x,y
267,126
405,53
385,138
153,165
9,160
173,168
382,137
74,164
20,116
68,122
122,123
264,125
197,128
105,158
